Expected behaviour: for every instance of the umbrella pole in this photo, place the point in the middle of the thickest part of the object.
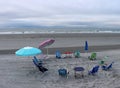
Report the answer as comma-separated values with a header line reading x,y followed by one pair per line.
x,y
47,52
85,53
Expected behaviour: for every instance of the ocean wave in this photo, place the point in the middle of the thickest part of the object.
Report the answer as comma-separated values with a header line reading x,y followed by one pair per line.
x,y
52,32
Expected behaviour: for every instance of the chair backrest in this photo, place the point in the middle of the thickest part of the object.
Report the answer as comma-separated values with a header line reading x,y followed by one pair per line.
x,y
62,72
77,54
35,62
93,55
35,58
58,54
95,69
110,66
101,62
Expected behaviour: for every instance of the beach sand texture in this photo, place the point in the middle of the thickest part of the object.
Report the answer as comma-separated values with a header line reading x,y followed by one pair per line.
x,y
20,72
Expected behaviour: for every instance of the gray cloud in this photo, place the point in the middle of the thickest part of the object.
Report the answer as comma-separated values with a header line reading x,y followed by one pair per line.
x,y
57,12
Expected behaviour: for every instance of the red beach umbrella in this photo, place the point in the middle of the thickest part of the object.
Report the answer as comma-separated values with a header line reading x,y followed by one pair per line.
x,y
46,43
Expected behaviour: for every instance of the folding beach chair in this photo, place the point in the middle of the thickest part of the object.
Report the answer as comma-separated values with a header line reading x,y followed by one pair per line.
x,y
77,54
78,72
40,62
63,72
40,67
107,67
93,56
103,61
94,70
58,54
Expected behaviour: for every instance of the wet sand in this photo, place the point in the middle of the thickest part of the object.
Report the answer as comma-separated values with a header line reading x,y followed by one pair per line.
x,y
63,42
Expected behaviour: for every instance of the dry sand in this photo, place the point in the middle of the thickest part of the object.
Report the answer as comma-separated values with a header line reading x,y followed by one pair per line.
x,y
20,72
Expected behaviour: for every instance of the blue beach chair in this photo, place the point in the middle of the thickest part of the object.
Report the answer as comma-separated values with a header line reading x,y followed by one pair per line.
x,y
40,62
94,70
58,54
107,67
39,66
63,72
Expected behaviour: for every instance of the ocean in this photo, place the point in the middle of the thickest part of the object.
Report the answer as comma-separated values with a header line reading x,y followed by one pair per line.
x,y
55,30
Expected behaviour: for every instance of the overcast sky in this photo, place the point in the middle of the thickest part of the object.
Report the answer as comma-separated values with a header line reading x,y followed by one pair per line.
x,y
60,12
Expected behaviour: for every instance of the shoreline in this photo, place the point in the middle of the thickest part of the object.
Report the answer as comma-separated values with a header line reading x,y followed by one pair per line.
x,y
71,49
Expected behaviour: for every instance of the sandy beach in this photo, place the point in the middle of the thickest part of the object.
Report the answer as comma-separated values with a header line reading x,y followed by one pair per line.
x,y
20,72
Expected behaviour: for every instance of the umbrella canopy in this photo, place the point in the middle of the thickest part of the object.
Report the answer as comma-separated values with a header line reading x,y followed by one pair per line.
x,y
46,43
86,46
28,51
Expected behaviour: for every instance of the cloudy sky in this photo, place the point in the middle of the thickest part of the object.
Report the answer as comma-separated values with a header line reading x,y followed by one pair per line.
x,y
60,12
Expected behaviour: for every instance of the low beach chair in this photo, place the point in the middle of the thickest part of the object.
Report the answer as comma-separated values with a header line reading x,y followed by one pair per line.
x,y
77,54
63,72
78,72
40,62
107,67
103,61
93,56
94,70
58,54
40,67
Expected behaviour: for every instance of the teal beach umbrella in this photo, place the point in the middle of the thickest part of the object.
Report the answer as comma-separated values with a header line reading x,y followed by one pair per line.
x,y
28,51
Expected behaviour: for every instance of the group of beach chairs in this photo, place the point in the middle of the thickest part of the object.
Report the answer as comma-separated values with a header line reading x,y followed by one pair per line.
x,y
64,72
76,55
59,55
